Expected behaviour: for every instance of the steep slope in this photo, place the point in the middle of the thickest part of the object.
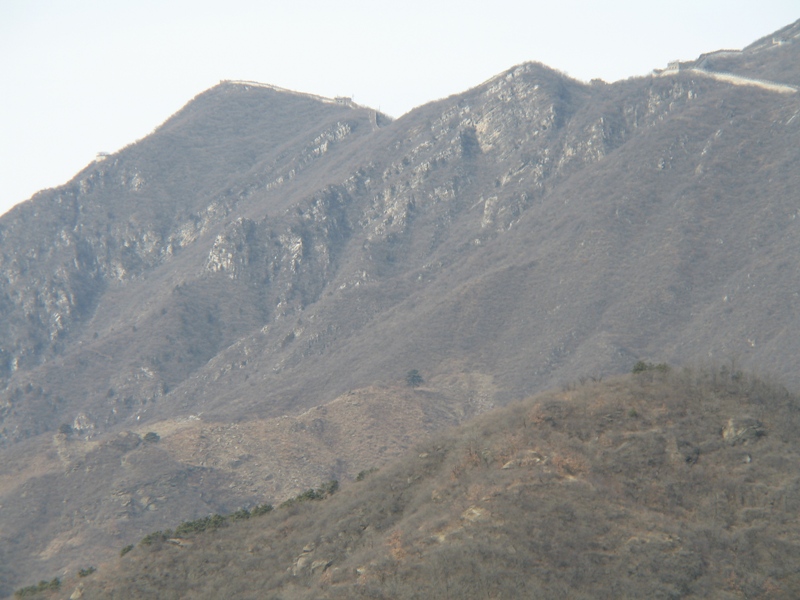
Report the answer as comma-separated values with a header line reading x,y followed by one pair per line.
x,y
649,224
661,485
266,252
83,265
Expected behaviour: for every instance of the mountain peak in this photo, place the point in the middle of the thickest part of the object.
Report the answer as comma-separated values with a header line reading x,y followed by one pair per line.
x,y
247,85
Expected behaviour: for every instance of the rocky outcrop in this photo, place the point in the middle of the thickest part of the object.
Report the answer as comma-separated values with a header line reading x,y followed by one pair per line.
x,y
742,430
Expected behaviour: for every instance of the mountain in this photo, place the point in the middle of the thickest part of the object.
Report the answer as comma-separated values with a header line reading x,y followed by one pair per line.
x,y
264,254
666,484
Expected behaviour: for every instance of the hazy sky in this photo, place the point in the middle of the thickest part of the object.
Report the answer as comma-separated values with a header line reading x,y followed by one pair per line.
x,y
83,76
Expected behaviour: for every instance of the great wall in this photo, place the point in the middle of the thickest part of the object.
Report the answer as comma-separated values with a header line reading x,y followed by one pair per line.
x,y
700,67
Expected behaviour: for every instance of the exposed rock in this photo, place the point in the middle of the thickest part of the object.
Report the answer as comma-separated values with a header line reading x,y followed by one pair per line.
x,y
320,565
180,542
742,430
525,458
301,563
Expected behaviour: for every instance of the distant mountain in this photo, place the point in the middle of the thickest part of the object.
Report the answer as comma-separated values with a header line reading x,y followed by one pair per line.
x,y
265,252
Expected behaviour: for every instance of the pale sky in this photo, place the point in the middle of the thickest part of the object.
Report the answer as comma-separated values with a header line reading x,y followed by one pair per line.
x,y
83,76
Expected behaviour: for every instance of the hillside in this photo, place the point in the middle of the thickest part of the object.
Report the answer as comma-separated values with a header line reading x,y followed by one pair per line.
x,y
678,484
265,254
68,501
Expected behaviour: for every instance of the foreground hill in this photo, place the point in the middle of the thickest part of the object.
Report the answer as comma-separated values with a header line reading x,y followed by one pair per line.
x,y
73,502
659,485
265,252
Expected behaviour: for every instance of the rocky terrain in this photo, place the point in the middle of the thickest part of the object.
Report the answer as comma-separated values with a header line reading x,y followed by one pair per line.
x,y
265,252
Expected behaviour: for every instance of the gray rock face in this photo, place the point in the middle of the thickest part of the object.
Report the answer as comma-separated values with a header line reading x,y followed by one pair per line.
x,y
258,229
307,562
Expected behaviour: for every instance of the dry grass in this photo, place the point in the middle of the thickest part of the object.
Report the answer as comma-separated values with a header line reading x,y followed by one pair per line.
x,y
564,495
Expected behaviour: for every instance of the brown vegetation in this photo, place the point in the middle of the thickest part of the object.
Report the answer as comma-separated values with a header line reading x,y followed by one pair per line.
x,y
568,494
199,467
